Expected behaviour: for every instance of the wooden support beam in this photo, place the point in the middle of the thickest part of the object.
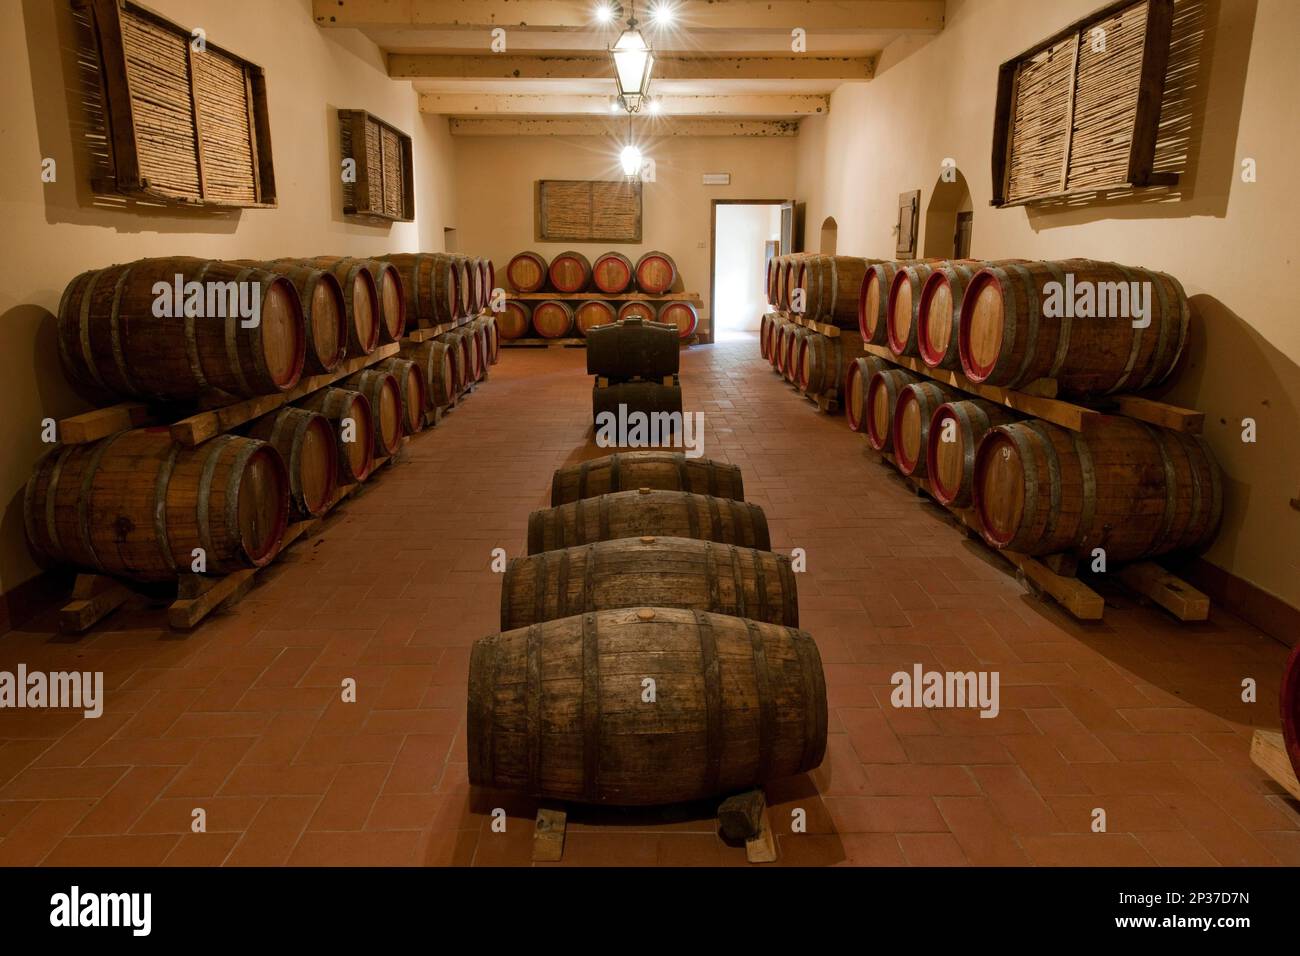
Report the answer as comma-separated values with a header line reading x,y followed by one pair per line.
x,y
94,597
1268,752
548,836
659,127
543,104
102,422
1081,601
1169,591
516,66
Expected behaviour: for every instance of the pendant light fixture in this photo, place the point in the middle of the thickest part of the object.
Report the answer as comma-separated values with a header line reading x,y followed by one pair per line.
x,y
633,63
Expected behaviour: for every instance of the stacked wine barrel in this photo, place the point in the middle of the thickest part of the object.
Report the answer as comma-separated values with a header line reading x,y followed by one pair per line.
x,y
649,650
635,363
582,288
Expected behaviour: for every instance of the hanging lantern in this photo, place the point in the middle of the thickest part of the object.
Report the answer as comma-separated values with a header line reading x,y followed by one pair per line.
x,y
633,63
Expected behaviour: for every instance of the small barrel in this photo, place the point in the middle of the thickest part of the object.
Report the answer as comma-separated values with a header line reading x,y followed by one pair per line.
x,y
956,431
655,273
592,313
682,315
516,321
662,572
911,427
611,273
305,441
385,397
743,704
324,312
553,319
631,514
662,470
644,311
354,440
527,271
410,385
633,349
570,272
360,293
649,398
882,398
856,381
433,359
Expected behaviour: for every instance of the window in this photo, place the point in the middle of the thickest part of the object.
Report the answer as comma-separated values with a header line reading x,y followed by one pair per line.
x,y
381,185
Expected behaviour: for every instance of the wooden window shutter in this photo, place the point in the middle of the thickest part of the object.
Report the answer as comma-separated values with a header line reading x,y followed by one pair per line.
x,y
384,182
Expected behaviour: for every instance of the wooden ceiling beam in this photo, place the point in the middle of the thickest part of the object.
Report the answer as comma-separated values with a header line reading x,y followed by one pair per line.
x,y
617,129
542,104
507,66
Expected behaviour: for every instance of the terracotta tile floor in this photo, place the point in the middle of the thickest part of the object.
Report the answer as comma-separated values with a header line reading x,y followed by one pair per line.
x,y
242,718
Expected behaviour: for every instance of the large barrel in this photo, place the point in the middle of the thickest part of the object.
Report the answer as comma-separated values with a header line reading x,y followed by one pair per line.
x,y
592,313
903,305
873,301
655,273
636,309
111,339
526,272
305,441
630,514
1290,701
516,321
649,398
385,397
361,295
826,360
663,470
462,373
410,385
429,285
956,430
856,380
830,286
882,398
1132,489
556,710
633,349
553,319
324,312
433,358
650,570
916,406
354,441
570,272
680,315
938,312
611,273
136,505
392,300
1015,329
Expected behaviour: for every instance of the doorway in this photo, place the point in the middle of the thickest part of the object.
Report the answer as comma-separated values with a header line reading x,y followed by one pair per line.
x,y
745,234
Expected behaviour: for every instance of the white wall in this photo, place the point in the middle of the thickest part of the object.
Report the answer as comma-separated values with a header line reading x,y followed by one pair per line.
x,y
741,232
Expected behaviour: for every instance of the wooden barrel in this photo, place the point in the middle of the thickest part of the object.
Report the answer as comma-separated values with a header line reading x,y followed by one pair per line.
x,y
385,397
392,300
655,273
856,381
433,359
553,319
770,269
449,287
136,505
882,398
1012,331
911,426
489,270
873,300
354,428
419,274
650,398
324,312
789,279
360,293
570,272
650,570
955,432
644,311
611,273
744,703
481,358
662,470
938,312
478,295
633,349
682,315
764,334
794,352
111,340
826,361
779,348
903,304
1133,489
526,272
830,286
459,356
411,389
493,338
1290,700
592,313
631,514
516,321
305,441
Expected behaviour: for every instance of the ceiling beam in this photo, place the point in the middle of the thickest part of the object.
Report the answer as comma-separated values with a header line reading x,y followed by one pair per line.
x,y
571,104
507,66
617,129
752,15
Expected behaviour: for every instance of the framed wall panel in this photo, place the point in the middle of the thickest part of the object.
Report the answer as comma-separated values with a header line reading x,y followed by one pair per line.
x,y
384,185
586,210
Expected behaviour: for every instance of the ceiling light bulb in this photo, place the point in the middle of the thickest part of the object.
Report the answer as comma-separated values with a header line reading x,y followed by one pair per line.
x,y
604,13
655,106
630,158
662,14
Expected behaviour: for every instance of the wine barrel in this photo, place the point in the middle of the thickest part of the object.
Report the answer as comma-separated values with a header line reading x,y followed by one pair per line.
x,y
911,426
526,272
882,398
553,319
489,271
655,273
633,349
592,313
324,312
938,313
305,441
779,345
422,275
788,280
856,379
472,348
638,310
354,440
1007,338
433,358
904,302
392,300
570,272
743,704
468,286
951,463
1133,489
385,397
478,295
631,514
361,295
662,470
826,360
411,391
1290,700
649,398
136,505
873,300
516,321
794,352
611,273
650,570
830,286
462,374
681,315
765,334
493,334
110,339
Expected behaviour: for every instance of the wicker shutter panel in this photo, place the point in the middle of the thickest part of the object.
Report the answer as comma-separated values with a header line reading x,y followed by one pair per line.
x,y
157,70
227,143
392,162
1041,121
583,210
384,181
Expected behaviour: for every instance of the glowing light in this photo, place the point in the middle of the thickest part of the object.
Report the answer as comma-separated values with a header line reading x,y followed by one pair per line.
x,y
630,158
604,13
656,106
661,14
